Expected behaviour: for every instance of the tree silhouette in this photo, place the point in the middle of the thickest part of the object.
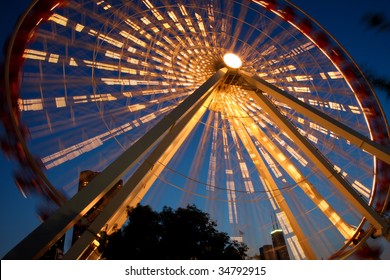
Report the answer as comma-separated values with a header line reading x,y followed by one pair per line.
x,y
377,21
379,82
185,233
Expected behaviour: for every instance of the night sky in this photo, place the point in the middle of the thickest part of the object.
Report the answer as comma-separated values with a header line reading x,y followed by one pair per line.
x,y
343,19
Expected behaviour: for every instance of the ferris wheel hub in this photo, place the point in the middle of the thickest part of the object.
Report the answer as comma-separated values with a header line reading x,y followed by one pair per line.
x,y
232,60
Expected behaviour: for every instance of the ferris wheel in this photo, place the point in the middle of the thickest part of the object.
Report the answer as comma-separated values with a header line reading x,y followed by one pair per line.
x,y
248,109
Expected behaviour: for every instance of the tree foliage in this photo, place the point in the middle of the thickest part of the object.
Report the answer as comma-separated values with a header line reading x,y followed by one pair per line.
x,y
379,22
185,233
381,83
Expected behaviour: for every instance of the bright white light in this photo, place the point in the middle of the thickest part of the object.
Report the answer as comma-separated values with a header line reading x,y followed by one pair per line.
x,y
232,60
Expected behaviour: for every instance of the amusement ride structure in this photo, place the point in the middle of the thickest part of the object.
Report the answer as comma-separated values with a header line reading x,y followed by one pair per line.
x,y
247,109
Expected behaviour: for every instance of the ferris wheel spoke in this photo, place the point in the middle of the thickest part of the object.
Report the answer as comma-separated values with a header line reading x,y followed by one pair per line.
x,y
297,176
90,144
240,156
160,48
265,175
274,193
211,176
230,182
335,109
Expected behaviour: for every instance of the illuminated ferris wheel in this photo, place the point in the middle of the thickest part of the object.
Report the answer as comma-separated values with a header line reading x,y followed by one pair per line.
x,y
247,109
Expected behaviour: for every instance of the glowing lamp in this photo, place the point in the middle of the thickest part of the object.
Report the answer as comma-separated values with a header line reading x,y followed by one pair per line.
x,y
232,60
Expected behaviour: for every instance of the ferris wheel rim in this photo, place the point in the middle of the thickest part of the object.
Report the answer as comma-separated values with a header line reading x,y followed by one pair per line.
x,y
23,140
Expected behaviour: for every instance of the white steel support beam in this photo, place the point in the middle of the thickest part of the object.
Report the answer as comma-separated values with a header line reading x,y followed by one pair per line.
x,y
132,192
359,140
46,234
326,167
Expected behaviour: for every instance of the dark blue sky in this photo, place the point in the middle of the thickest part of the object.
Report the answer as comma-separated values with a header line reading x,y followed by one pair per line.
x,y
343,19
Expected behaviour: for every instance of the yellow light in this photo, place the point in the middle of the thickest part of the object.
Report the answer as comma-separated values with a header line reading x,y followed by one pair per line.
x,y
96,243
232,60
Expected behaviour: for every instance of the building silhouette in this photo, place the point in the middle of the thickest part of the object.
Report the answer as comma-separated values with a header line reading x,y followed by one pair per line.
x,y
279,245
278,250
85,178
267,252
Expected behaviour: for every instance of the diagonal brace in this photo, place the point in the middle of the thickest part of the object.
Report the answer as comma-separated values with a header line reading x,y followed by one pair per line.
x,y
380,224
359,140
140,182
